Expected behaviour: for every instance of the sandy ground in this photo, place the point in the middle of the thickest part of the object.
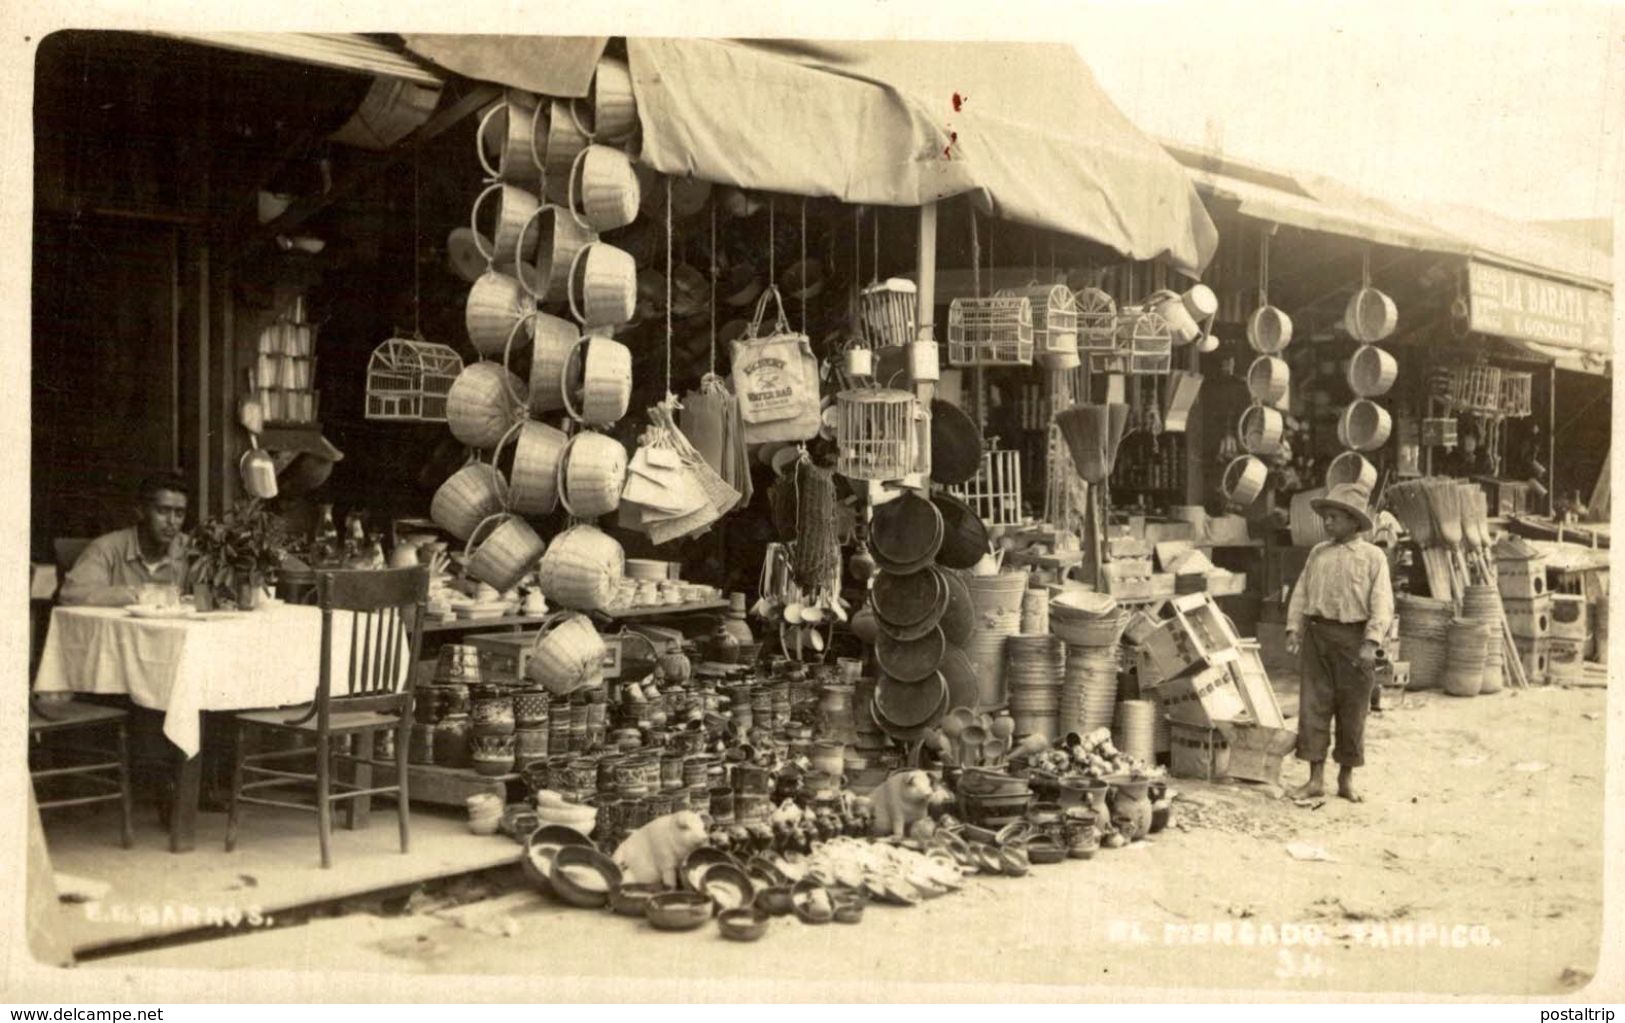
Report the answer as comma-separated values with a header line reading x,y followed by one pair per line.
x,y
1475,867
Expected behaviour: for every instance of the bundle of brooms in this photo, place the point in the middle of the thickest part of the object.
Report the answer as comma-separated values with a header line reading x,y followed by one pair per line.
x,y
1440,515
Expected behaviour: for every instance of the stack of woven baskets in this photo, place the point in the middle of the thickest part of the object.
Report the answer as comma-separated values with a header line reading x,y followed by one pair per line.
x,y
1482,604
1464,665
1424,625
1033,667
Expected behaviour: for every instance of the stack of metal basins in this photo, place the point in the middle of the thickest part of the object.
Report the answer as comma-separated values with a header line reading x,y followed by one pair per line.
x,y
923,611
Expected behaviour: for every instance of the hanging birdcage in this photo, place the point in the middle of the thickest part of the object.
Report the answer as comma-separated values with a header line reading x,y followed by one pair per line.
x,y
1097,320
408,379
990,332
1143,344
886,309
1055,320
875,433
1476,388
994,493
1517,393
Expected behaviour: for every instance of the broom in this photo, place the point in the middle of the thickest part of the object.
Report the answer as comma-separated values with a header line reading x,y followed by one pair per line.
x,y
1409,503
1444,499
1476,515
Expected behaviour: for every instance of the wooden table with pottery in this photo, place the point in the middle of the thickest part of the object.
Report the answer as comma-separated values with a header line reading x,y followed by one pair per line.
x,y
185,664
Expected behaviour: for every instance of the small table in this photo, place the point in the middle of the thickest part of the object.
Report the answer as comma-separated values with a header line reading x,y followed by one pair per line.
x,y
219,661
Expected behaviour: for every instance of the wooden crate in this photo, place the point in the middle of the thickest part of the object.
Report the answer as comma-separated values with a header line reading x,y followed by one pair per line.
x,y
1201,753
1528,617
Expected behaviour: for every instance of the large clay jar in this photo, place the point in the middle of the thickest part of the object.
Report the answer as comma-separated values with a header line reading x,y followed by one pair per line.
x,y
491,710
724,645
1130,806
493,754
450,741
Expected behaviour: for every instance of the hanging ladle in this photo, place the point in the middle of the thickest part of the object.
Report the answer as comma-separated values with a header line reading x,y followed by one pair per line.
x,y
256,468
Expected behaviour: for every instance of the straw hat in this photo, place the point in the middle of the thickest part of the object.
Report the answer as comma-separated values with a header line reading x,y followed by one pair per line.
x,y
1347,497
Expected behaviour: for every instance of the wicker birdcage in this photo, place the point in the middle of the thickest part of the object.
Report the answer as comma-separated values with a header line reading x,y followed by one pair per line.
x,y
990,332
875,434
1476,388
1055,318
1517,393
407,380
1143,343
886,309
1096,312
994,493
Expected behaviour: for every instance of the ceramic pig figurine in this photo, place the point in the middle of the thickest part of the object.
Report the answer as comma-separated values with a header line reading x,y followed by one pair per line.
x,y
899,802
653,852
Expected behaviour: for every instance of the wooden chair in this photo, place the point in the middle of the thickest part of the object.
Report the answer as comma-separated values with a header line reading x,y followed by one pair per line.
x,y
386,634
106,772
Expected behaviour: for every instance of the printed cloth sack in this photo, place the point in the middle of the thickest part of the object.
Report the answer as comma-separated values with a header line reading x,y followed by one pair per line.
x,y
776,380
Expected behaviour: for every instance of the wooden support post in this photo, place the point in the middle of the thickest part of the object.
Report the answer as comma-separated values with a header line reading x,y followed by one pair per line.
x,y
926,256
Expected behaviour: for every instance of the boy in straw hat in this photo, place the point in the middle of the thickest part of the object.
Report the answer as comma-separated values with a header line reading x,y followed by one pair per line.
x,y
1338,615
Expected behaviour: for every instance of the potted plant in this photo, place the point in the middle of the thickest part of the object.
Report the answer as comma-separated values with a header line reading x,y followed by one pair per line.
x,y
236,554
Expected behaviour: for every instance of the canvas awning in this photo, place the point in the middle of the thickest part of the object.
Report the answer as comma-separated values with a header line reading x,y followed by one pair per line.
x,y
1022,128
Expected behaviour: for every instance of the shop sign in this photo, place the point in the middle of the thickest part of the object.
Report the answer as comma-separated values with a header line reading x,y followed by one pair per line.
x,y
1519,305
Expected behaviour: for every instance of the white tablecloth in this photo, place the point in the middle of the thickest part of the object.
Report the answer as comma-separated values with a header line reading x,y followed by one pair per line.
x,y
265,658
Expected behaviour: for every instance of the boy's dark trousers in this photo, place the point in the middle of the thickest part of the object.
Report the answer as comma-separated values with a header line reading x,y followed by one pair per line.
x,y
1334,686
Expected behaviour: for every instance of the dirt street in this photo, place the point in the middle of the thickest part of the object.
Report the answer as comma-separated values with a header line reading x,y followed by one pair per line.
x,y
1475,866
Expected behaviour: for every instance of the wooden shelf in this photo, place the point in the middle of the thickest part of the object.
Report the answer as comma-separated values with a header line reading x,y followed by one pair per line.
x,y
665,609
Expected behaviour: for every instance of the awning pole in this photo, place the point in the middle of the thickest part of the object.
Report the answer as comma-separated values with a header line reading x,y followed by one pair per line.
x,y
927,274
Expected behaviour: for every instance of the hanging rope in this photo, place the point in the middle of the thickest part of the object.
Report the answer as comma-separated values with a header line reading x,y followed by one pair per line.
x,y
417,263
806,273
1264,265
876,267
713,289
1365,268
669,395
772,266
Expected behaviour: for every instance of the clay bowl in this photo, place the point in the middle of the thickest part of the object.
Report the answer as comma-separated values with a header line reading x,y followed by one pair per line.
x,y
849,911
677,911
1045,851
540,847
630,899
727,885
696,863
583,876
742,924
988,860
964,534
775,900
763,874
809,909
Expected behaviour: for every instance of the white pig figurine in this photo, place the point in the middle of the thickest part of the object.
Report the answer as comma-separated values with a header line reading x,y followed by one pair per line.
x,y
653,852
899,802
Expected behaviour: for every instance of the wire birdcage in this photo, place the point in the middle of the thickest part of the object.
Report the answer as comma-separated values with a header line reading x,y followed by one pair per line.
x,y
1096,312
407,380
886,309
1517,393
1055,319
1476,388
990,332
994,493
875,433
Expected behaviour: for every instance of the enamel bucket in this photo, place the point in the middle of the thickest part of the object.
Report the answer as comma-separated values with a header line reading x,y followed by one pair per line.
x,y
1181,324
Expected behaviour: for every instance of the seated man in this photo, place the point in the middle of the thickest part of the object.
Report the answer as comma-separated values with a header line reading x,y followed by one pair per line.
x,y
112,570
1469,459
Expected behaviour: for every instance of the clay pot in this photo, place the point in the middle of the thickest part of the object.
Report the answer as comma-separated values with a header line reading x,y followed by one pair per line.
x,y
1130,806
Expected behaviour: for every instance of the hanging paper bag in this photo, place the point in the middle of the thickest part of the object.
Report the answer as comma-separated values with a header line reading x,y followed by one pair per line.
x,y
776,379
